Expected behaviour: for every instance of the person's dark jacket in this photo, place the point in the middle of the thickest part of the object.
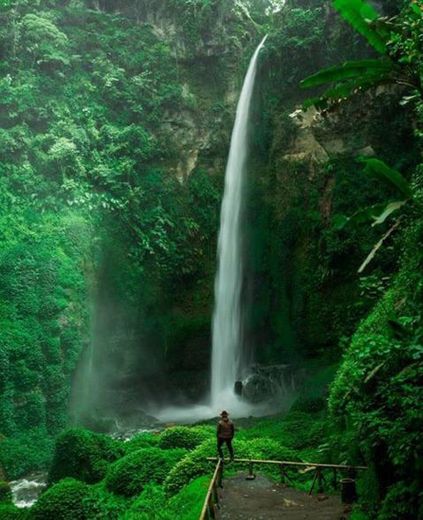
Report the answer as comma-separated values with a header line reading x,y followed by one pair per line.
x,y
225,429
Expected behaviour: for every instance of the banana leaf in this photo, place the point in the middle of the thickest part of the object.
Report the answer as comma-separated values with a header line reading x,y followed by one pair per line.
x,y
350,70
380,170
360,14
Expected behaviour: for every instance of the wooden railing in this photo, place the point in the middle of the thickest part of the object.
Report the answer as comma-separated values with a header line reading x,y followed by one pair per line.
x,y
211,503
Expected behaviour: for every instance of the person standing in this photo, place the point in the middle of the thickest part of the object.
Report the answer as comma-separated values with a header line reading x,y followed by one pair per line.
x,y
225,434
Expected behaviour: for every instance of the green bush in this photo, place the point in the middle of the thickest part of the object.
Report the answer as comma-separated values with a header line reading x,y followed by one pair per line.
x,y
401,501
182,437
130,474
150,505
83,455
5,492
187,504
11,512
270,449
21,454
64,501
101,503
142,440
357,514
195,464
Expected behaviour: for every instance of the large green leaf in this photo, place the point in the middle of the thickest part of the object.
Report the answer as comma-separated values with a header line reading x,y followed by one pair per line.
x,y
359,14
361,70
387,212
381,170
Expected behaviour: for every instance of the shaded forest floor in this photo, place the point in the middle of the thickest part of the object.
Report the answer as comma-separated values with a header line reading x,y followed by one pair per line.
x,y
262,499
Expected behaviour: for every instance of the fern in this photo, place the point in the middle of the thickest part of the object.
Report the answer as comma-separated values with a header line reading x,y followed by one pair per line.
x,y
360,14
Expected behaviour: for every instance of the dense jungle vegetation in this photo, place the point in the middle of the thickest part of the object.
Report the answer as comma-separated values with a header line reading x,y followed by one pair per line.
x,y
115,122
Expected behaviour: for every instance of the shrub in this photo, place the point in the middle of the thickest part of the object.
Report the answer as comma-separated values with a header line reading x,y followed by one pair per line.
x,y
309,404
150,505
84,455
401,501
195,464
182,437
64,500
187,504
21,454
5,492
129,475
101,503
272,450
11,512
301,430
142,440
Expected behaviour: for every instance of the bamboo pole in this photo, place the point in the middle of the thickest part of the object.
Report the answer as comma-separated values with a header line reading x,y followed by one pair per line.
x,y
208,510
299,464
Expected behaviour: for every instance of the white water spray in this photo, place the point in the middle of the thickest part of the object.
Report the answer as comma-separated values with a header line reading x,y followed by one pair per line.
x,y
227,362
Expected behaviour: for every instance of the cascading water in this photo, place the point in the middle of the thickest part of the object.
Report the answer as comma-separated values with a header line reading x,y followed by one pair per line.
x,y
227,362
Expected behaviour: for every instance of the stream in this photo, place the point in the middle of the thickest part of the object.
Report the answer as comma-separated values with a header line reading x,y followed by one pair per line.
x,y
25,491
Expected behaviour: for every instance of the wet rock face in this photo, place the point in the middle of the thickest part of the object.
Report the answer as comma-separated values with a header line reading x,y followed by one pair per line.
x,y
268,383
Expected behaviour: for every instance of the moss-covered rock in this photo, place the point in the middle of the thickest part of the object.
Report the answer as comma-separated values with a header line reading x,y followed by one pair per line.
x,y
130,474
64,501
182,437
83,455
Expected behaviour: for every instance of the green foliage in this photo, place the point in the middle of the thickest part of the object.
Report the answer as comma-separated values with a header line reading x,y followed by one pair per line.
x,y
309,404
26,452
375,394
401,501
141,440
11,512
5,492
83,455
367,70
64,500
130,474
187,504
100,503
182,437
151,504
397,41
195,464
360,14
382,171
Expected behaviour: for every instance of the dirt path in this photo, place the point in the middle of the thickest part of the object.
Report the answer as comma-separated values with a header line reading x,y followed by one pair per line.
x,y
261,499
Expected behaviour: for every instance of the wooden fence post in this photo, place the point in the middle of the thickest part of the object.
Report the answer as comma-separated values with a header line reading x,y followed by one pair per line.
x,y
250,475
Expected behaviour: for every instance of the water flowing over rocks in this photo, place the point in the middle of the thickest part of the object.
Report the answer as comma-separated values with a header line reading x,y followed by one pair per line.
x,y
25,491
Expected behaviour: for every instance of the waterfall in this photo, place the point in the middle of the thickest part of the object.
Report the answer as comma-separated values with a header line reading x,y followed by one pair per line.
x,y
227,362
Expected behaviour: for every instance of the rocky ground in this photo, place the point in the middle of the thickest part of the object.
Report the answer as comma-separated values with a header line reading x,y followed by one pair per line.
x,y
262,499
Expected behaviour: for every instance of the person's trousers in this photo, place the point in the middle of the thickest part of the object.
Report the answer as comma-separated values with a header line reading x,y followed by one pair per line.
x,y
228,443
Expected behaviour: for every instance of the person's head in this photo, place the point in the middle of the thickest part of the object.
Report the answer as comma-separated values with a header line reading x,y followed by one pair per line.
x,y
224,415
